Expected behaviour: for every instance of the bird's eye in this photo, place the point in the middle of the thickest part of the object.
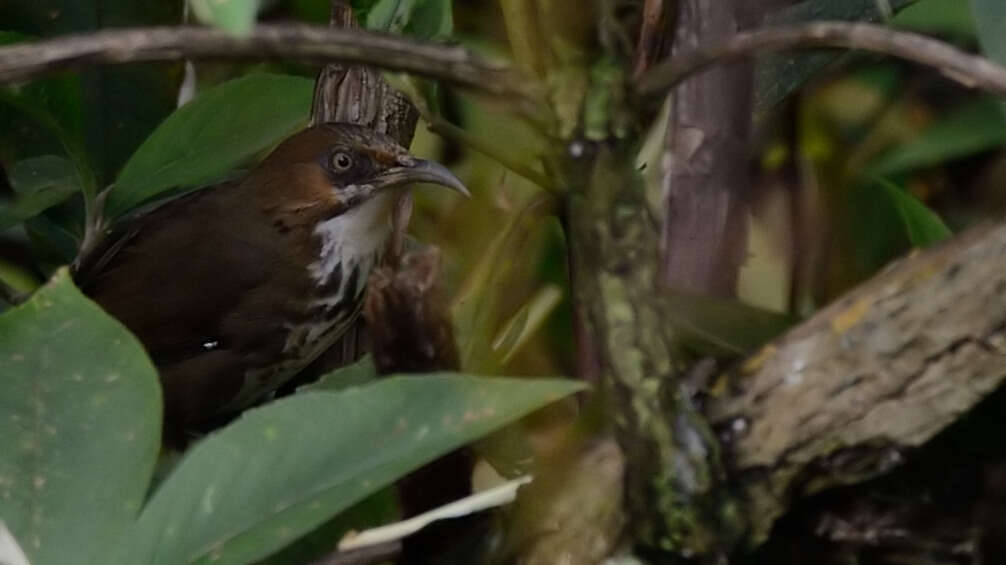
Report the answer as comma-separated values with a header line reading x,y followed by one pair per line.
x,y
341,161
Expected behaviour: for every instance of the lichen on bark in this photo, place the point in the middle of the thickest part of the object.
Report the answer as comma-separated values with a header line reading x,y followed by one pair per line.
x,y
674,482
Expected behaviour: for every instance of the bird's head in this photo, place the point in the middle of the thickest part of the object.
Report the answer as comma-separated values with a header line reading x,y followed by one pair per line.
x,y
336,168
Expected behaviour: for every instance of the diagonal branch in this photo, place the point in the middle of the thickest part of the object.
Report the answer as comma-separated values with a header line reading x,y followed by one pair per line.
x,y
851,392
285,41
962,67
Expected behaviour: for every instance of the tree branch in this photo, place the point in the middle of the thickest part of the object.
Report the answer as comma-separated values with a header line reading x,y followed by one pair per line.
x,y
964,68
850,393
286,41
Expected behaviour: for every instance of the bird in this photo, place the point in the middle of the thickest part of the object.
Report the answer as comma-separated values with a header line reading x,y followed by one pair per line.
x,y
234,289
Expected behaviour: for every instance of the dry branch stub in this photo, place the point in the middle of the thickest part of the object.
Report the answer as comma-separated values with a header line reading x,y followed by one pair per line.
x,y
845,396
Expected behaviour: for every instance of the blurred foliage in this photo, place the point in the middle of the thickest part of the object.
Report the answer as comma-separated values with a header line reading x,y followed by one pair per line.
x,y
235,16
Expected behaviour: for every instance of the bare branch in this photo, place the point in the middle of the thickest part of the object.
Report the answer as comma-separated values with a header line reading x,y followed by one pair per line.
x,y
287,41
964,68
846,395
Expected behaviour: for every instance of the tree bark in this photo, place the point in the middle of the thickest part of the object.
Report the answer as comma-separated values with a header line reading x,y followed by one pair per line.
x,y
704,231
847,395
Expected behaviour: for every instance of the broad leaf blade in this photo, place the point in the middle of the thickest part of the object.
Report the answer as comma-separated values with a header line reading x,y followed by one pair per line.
x,y
40,183
81,426
975,127
359,373
281,470
944,17
203,140
922,226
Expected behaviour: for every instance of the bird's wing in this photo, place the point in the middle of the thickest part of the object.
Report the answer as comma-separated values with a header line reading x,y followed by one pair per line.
x,y
173,283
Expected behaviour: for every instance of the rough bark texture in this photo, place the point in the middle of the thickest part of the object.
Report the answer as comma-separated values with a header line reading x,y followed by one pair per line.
x,y
358,95
672,462
302,42
844,396
705,162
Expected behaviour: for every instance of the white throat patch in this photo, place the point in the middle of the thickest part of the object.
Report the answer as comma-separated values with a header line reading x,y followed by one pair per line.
x,y
352,239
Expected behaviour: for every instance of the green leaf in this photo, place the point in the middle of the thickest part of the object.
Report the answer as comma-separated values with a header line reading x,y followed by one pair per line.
x,y
922,226
975,127
203,140
526,322
949,17
990,22
776,76
235,16
390,15
432,19
81,426
359,373
376,510
426,19
40,184
281,470
106,112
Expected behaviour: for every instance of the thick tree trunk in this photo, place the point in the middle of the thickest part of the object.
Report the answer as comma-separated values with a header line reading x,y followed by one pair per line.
x,y
672,464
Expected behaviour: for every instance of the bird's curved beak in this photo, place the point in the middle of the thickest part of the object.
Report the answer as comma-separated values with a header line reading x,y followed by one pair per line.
x,y
416,171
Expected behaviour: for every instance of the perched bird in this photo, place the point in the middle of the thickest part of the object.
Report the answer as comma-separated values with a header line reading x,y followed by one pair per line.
x,y
236,288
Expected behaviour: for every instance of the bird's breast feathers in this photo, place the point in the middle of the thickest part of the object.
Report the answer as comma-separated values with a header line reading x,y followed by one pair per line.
x,y
349,246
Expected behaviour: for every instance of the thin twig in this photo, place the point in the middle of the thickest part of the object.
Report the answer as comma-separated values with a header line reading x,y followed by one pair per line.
x,y
284,41
477,502
964,68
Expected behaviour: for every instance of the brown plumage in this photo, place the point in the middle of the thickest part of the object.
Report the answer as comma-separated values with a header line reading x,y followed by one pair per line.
x,y
234,289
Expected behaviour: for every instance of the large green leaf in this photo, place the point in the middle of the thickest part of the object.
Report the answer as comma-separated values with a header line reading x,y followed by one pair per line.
x,y
203,140
777,76
235,16
81,426
40,183
376,510
990,22
281,470
359,373
974,127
